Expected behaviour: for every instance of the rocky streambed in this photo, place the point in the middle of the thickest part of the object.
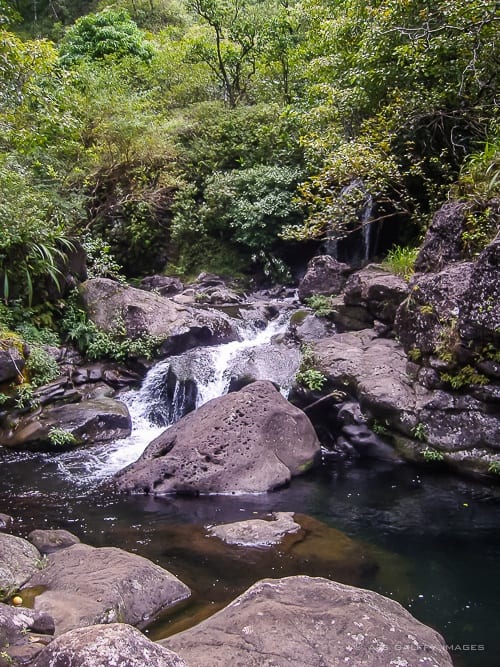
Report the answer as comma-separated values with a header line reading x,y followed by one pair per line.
x,y
393,372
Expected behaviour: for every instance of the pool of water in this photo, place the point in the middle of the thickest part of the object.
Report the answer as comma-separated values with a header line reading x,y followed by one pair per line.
x,y
434,537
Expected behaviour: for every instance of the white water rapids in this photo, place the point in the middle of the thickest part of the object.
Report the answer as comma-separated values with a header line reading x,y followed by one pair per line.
x,y
210,369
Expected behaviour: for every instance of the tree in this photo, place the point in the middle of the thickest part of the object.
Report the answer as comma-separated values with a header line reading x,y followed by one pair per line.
x,y
110,33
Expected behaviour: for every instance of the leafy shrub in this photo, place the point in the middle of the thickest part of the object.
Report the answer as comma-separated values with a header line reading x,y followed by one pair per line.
x,y
42,368
401,261
60,437
308,375
108,33
432,455
322,305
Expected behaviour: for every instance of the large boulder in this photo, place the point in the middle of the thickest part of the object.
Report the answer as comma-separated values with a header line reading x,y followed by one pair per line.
x,y
11,363
83,585
19,561
301,621
91,421
325,275
248,441
104,646
23,633
443,240
377,290
111,305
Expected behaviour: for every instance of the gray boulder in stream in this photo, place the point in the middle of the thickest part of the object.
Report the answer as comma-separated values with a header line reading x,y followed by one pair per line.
x,y
248,441
299,621
83,585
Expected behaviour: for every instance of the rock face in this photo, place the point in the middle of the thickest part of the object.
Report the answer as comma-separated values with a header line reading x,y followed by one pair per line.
x,y
18,562
301,621
479,319
110,304
324,275
257,532
433,307
248,441
379,291
163,285
86,586
23,633
48,541
11,363
465,430
443,243
95,420
105,646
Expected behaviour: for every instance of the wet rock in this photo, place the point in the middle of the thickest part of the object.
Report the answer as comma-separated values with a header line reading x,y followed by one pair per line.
x,y
275,362
11,363
104,646
257,532
19,561
148,314
84,585
23,633
349,318
163,285
366,444
6,521
48,541
89,421
301,621
443,240
248,441
324,275
379,291
309,327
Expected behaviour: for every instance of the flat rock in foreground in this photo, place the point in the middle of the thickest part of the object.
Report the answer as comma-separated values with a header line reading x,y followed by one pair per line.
x,y
301,621
248,441
86,586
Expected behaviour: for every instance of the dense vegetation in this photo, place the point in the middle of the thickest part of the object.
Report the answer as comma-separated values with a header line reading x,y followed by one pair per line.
x,y
181,135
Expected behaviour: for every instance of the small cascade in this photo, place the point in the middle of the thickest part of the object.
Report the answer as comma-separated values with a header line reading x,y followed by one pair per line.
x,y
179,384
366,229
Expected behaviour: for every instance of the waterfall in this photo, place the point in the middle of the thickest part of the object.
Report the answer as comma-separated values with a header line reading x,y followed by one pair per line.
x,y
179,384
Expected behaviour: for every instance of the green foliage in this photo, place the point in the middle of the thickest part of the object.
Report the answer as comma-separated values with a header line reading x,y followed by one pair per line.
x,y
379,428
108,33
97,344
432,455
100,262
494,468
401,261
321,304
61,438
419,432
41,366
307,375
466,376
24,396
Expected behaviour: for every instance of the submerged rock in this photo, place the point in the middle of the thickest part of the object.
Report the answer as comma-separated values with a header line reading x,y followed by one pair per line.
x,y
301,620
84,585
248,441
257,532
105,646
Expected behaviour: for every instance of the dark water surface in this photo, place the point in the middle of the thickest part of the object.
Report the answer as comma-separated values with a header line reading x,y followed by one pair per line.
x,y
434,536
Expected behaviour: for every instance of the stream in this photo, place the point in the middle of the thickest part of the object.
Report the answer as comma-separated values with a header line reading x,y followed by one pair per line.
x,y
434,535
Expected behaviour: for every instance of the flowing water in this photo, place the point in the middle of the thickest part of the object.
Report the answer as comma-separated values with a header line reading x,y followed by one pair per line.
x,y
434,536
